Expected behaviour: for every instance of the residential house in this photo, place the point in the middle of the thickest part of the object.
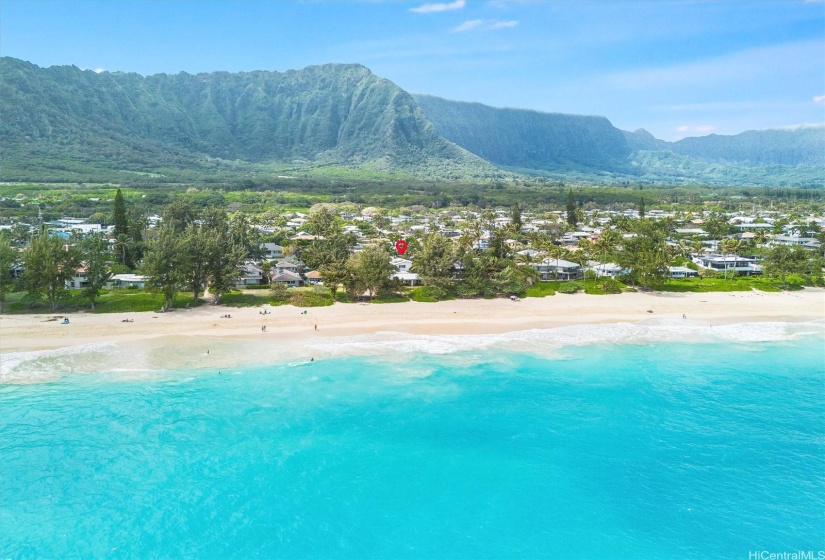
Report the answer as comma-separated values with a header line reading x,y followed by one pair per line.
x,y
681,272
251,275
314,277
730,263
272,251
289,279
127,281
558,269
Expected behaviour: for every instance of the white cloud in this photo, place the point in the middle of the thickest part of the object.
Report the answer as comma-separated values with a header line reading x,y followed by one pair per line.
x,y
819,98
467,25
488,25
435,8
99,70
503,24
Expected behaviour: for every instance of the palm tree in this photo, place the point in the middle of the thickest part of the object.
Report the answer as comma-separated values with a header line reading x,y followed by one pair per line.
x,y
607,244
731,246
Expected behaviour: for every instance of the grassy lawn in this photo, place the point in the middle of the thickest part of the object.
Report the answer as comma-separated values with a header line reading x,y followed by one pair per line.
x,y
736,284
542,289
112,301
425,294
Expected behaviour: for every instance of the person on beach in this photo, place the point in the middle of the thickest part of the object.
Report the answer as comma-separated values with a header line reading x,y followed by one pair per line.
x,y
316,327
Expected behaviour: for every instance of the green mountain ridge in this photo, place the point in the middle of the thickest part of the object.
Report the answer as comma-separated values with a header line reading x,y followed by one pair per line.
x,y
66,124
559,145
322,115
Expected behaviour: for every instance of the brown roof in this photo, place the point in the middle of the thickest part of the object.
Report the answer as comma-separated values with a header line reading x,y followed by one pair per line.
x,y
313,274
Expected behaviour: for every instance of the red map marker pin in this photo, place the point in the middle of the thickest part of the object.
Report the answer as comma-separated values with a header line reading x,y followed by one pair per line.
x,y
401,246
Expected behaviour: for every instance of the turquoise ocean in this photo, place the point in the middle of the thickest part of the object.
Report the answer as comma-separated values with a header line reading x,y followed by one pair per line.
x,y
544,444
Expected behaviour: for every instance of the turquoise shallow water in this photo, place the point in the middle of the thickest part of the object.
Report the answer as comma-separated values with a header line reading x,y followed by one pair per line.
x,y
658,450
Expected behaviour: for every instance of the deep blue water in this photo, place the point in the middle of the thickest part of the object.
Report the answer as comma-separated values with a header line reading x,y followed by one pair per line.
x,y
666,450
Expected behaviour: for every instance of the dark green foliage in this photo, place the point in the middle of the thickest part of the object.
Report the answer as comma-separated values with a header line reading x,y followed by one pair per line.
x,y
96,255
119,215
572,218
569,287
523,139
8,257
65,120
48,264
434,262
645,255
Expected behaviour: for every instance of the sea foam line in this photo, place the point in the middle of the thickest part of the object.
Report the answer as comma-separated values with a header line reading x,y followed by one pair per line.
x,y
544,340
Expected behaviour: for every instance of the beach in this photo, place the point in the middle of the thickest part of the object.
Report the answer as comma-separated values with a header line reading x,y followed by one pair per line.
x,y
45,331
217,336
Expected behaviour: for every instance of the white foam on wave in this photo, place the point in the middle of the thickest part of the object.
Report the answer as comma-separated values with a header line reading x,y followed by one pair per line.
x,y
168,358
546,341
38,366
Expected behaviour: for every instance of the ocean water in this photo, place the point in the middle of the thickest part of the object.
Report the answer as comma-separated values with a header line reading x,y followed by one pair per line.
x,y
630,445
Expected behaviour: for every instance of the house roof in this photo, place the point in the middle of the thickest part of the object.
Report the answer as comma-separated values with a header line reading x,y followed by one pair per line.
x,y
286,277
313,275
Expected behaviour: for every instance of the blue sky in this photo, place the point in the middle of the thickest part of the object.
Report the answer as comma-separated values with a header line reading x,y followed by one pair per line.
x,y
676,68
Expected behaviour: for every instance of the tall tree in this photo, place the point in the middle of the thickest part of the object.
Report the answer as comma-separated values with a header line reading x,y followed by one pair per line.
x,y
48,265
642,206
435,261
193,245
8,258
119,218
645,254
782,260
371,269
179,214
224,259
96,255
572,217
515,218
161,264
121,230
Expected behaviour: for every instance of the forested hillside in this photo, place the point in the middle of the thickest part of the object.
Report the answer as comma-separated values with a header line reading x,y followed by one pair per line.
x,y
522,139
62,124
64,117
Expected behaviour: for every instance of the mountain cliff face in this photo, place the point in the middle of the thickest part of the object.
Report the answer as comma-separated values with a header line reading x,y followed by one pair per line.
x,y
331,114
799,146
526,140
66,124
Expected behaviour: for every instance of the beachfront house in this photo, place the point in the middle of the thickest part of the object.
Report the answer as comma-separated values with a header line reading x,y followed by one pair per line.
x,y
134,281
681,272
78,280
728,263
558,269
608,270
251,275
401,265
408,278
288,279
314,277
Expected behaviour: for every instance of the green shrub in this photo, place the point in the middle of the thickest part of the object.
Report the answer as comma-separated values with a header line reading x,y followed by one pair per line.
x,y
344,297
429,294
569,287
609,286
310,299
542,289
423,294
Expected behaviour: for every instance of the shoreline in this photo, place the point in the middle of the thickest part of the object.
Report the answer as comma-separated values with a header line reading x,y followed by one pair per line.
x,y
38,348
455,317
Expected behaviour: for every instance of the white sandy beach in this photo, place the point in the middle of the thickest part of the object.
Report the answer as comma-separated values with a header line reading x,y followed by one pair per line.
x,y
287,323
